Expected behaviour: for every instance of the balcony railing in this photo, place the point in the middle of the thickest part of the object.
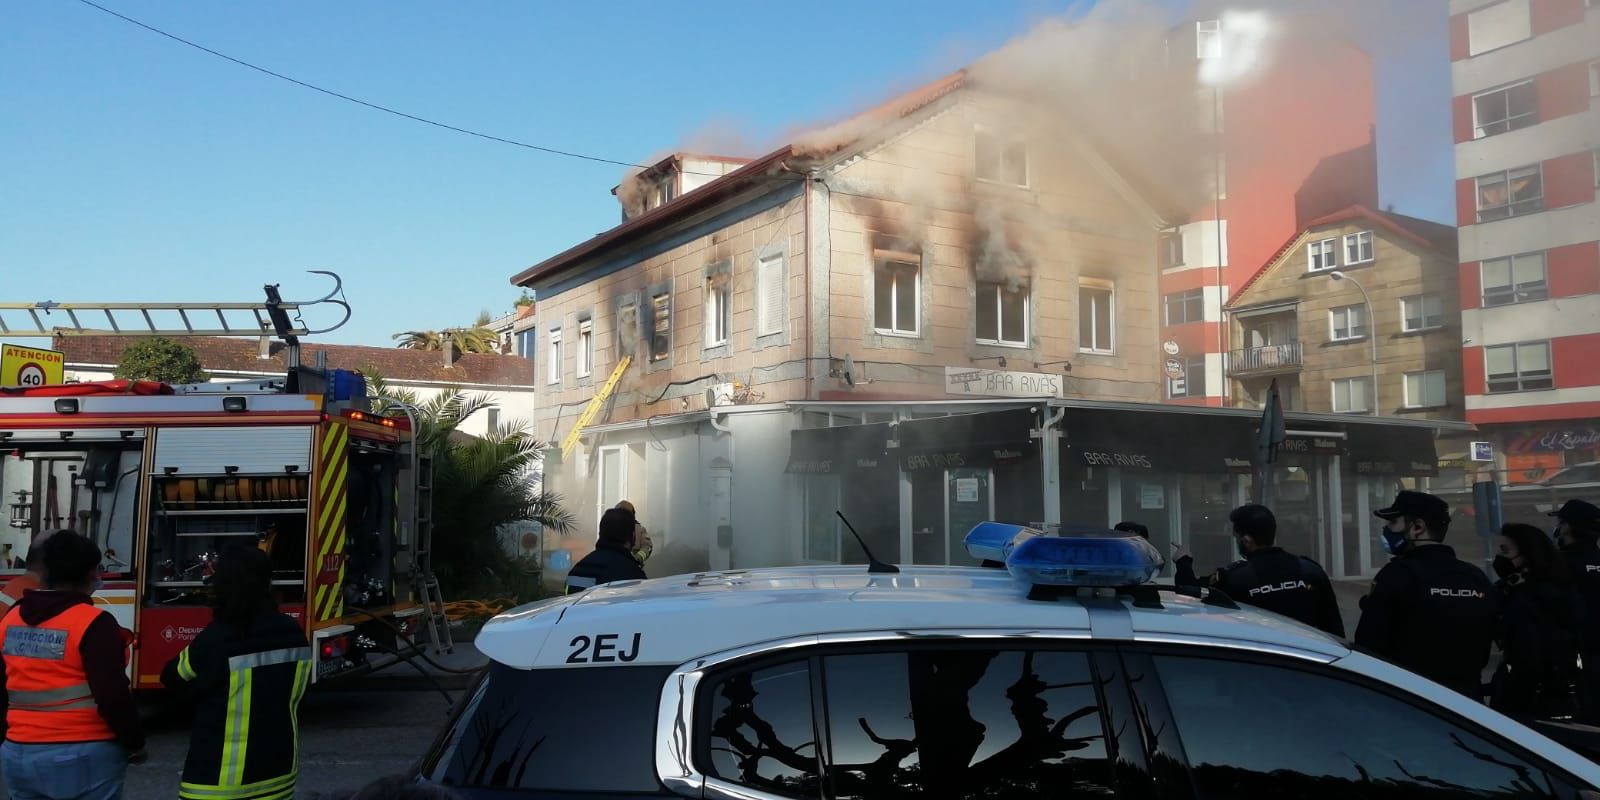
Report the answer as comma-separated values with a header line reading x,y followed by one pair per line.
x,y
1262,360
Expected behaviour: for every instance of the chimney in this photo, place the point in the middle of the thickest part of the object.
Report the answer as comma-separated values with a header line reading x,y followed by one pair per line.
x,y
448,348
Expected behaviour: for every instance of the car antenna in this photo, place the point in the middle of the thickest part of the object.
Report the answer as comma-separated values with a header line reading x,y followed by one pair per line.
x,y
874,566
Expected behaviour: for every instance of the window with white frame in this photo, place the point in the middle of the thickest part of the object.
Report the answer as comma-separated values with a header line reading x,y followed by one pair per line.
x,y
1171,251
1322,254
772,296
1208,39
1096,316
1521,367
1508,109
1358,248
585,355
1515,279
553,364
661,327
718,312
1347,322
1002,314
1001,158
1351,395
1192,383
1511,193
612,486
1498,25
1424,389
897,294
1421,312
1185,307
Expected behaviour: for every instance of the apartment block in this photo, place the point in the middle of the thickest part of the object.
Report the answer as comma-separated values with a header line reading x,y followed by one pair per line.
x,y
1526,75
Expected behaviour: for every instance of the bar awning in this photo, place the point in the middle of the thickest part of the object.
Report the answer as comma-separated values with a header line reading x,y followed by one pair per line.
x,y
1167,442
839,449
985,439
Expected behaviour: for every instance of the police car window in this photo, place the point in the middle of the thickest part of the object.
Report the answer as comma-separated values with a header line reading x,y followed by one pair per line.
x,y
1258,731
961,723
761,731
539,729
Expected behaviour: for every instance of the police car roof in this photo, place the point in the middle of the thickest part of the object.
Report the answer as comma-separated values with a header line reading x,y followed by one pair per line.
x,y
678,619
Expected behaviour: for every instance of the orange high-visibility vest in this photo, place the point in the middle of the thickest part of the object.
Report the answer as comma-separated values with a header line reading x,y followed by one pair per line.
x,y
46,688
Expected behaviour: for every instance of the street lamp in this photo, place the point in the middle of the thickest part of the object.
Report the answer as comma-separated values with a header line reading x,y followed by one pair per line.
x,y
1372,332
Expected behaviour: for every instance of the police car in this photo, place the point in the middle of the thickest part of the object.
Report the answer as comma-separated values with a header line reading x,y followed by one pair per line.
x,y
1065,674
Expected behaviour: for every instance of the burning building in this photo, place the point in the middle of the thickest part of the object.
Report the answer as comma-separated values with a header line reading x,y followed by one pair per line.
x,y
944,309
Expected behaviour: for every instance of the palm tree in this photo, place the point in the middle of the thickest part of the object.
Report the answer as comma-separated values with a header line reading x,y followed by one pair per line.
x,y
477,338
419,340
480,485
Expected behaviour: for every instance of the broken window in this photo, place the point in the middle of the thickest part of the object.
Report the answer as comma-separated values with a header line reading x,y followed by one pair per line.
x,y
1001,158
896,293
1002,314
1171,249
661,327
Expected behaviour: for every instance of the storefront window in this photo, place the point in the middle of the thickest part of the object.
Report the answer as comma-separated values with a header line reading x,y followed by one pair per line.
x,y
822,525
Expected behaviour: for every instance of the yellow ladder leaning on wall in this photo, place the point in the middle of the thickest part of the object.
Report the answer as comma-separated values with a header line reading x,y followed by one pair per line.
x,y
594,406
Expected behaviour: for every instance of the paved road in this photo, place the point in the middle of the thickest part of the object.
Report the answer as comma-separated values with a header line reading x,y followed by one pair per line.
x,y
348,738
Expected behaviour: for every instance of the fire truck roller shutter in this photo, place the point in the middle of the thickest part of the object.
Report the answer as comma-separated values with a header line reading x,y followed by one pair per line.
x,y
255,450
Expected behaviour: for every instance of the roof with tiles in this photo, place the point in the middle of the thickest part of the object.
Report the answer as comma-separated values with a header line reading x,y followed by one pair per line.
x,y
226,355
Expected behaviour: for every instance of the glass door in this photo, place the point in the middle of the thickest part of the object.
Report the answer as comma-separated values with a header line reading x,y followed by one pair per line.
x,y
969,500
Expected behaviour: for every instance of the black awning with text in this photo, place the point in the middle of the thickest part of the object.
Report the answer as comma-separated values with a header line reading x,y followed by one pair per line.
x,y
1157,440
985,439
1377,449
839,449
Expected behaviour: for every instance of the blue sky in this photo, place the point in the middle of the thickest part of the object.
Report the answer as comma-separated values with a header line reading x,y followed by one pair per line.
x,y
134,168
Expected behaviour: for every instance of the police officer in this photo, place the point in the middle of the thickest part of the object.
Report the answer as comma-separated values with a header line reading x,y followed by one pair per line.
x,y
1540,618
1269,577
1578,535
1428,611
613,558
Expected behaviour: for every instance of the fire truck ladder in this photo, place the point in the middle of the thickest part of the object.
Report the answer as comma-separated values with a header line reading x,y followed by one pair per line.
x,y
593,409
422,575
283,317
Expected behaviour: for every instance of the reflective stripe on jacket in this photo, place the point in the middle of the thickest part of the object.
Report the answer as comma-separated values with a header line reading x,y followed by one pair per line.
x,y
48,695
247,687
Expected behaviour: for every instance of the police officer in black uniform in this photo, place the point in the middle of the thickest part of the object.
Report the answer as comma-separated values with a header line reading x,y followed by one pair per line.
x,y
1269,577
613,558
1578,535
1428,611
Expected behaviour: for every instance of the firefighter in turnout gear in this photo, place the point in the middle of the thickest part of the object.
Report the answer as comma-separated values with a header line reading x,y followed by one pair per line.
x,y
1578,535
613,558
246,673
1428,611
72,726
1269,577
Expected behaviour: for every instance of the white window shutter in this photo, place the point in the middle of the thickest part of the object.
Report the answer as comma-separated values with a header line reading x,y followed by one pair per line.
x,y
772,303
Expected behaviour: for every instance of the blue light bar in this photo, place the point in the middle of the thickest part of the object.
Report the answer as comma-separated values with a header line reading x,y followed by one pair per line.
x,y
1111,561
993,541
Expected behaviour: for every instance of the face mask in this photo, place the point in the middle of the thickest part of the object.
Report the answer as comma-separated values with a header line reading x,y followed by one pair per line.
x,y
642,554
1395,542
1504,566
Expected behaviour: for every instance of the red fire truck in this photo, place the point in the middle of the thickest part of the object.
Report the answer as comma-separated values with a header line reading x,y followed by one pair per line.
x,y
163,478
